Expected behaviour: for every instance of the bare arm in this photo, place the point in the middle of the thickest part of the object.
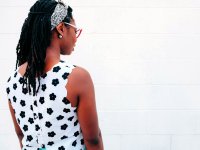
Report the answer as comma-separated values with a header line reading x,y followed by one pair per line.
x,y
17,128
87,112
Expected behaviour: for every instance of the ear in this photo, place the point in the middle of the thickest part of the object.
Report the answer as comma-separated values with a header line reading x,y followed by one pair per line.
x,y
60,28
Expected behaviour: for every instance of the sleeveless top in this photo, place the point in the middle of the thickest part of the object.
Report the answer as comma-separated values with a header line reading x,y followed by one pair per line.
x,y
47,120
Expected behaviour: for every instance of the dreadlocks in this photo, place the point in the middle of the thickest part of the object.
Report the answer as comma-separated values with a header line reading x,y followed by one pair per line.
x,y
34,39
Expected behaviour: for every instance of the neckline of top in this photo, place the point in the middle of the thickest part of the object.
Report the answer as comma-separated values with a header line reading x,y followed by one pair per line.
x,y
56,64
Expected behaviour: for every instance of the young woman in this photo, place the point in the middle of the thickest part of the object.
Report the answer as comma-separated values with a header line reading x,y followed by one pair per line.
x,y
52,103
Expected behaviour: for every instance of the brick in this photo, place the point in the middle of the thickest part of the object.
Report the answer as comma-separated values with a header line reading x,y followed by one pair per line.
x,y
7,126
123,122
9,142
185,142
173,122
112,142
145,142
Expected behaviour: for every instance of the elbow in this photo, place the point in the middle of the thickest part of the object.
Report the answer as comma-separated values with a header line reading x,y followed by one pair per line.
x,y
94,140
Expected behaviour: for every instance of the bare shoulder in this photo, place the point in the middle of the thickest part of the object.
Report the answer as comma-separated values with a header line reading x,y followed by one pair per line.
x,y
80,74
22,68
80,80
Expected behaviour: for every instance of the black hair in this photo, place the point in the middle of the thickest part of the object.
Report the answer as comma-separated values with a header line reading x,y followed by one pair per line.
x,y
34,39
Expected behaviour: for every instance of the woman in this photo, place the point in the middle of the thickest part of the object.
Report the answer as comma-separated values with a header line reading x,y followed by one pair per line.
x,y
52,103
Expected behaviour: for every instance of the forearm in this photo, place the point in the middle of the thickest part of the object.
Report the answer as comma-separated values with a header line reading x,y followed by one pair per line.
x,y
20,137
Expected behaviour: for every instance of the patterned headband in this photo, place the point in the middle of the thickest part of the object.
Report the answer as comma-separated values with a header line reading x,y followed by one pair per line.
x,y
59,14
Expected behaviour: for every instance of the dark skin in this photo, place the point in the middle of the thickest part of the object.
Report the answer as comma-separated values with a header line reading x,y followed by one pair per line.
x,y
80,87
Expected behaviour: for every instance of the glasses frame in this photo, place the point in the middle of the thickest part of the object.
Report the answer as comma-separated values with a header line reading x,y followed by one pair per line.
x,y
76,29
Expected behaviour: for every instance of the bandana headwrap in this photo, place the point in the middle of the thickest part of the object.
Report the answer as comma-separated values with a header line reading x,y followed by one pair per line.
x,y
59,14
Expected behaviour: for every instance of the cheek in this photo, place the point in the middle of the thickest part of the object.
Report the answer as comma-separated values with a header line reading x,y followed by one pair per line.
x,y
75,39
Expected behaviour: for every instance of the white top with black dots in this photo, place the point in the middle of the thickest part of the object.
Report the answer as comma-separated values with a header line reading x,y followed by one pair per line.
x,y
47,120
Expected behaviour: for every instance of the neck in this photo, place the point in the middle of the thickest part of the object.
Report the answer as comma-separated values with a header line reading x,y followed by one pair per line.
x,y
52,57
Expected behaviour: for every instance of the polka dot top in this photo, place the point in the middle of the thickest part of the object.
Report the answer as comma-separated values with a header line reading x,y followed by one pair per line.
x,y
47,120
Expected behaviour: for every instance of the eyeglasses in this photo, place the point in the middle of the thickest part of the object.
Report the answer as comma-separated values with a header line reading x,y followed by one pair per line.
x,y
77,30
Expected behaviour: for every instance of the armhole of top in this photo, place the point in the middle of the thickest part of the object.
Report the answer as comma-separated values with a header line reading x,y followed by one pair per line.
x,y
72,67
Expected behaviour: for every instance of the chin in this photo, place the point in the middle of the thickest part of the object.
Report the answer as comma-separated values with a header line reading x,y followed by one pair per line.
x,y
65,52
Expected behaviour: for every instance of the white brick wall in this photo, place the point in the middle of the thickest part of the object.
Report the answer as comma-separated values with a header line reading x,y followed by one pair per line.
x,y
144,59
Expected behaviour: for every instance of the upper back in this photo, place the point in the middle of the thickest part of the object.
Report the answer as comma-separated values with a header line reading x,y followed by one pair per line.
x,y
49,113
